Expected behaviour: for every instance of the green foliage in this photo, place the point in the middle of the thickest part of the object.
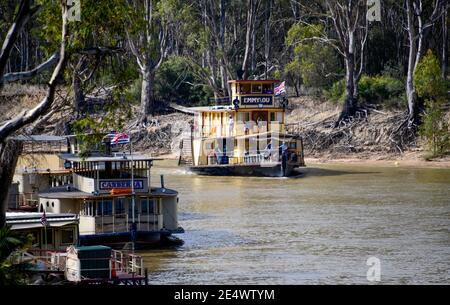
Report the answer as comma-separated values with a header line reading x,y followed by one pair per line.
x,y
431,86
336,93
428,79
435,129
11,241
377,89
177,80
313,61
380,89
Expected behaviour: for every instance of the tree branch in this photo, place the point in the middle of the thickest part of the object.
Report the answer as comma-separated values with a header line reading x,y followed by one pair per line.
x,y
29,116
25,75
24,14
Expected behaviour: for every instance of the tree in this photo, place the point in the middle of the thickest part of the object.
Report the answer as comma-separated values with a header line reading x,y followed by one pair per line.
x,y
313,62
8,155
430,86
418,29
11,241
150,35
349,20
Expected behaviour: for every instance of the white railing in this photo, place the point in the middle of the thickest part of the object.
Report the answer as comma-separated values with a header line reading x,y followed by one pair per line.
x,y
121,223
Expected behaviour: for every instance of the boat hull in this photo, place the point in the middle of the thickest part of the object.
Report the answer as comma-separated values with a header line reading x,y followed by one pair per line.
x,y
257,170
123,240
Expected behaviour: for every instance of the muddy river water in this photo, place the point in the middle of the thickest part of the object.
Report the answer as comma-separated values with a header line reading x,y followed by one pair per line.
x,y
318,228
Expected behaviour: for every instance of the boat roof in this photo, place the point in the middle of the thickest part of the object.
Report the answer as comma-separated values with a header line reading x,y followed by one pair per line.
x,y
264,81
115,158
62,192
40,138
29,220
212,108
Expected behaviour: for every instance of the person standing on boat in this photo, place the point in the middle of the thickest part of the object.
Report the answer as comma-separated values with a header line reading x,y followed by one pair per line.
x,y
268,150
230,125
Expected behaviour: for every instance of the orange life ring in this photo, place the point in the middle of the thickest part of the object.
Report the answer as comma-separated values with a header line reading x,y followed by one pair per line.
x,y
121,191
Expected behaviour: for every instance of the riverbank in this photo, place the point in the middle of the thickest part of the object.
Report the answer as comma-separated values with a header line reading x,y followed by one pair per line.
x,y
372,138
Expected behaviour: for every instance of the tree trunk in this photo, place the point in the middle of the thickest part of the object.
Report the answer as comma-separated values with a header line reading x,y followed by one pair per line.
x,y
223,70
77,91
267,38
410,89
148,77
9,154
349,108
444,61
248,36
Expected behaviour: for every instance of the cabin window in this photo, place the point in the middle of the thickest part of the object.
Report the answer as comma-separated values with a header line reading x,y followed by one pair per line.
x,y
267,88
67,236
47,235
35,237
107,208
99,208
272,116
119,206
130,208
144,206
280,116
256,88
47,204
53,204
245,89
155,205
89,208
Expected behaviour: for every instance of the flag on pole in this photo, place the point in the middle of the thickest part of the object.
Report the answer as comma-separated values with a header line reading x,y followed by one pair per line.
x,y
120,138
280,89
44,220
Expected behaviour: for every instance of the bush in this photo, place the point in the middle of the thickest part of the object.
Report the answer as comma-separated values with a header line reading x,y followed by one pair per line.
x,y
336,93
435,129
379,89
431,86
376,89
176,81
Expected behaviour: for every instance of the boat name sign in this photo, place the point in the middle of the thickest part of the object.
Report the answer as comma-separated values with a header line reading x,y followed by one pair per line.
x,y
256,100
111,184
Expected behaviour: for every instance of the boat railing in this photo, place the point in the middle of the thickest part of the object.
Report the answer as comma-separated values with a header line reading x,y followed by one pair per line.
x,y
121,222
240,128
219,101
251,157
42,259
128,263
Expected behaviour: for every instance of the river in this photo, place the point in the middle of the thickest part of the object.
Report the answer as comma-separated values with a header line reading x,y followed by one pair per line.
x,y
319,228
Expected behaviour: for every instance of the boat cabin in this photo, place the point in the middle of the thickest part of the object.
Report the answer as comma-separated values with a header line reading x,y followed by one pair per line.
x,y
109,190
246,128
61,230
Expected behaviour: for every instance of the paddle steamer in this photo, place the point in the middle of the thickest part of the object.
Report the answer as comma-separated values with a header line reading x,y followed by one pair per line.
x,y
243,134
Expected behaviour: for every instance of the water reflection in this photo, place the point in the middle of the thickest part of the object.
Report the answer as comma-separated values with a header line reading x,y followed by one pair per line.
x,y
319,228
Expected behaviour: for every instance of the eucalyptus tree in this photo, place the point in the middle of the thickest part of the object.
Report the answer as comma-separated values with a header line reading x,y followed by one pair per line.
x,y
421,17
97,41
10,149
150,31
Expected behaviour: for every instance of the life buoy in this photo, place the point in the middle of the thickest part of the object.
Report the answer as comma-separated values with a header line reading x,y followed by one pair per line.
x,y
121,191
236,103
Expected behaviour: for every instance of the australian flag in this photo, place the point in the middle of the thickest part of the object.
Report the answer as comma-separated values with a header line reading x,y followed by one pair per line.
x,y
280,89
119,138
44,220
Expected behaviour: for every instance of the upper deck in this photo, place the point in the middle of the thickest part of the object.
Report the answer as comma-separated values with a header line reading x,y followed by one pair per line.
x,y
247,94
